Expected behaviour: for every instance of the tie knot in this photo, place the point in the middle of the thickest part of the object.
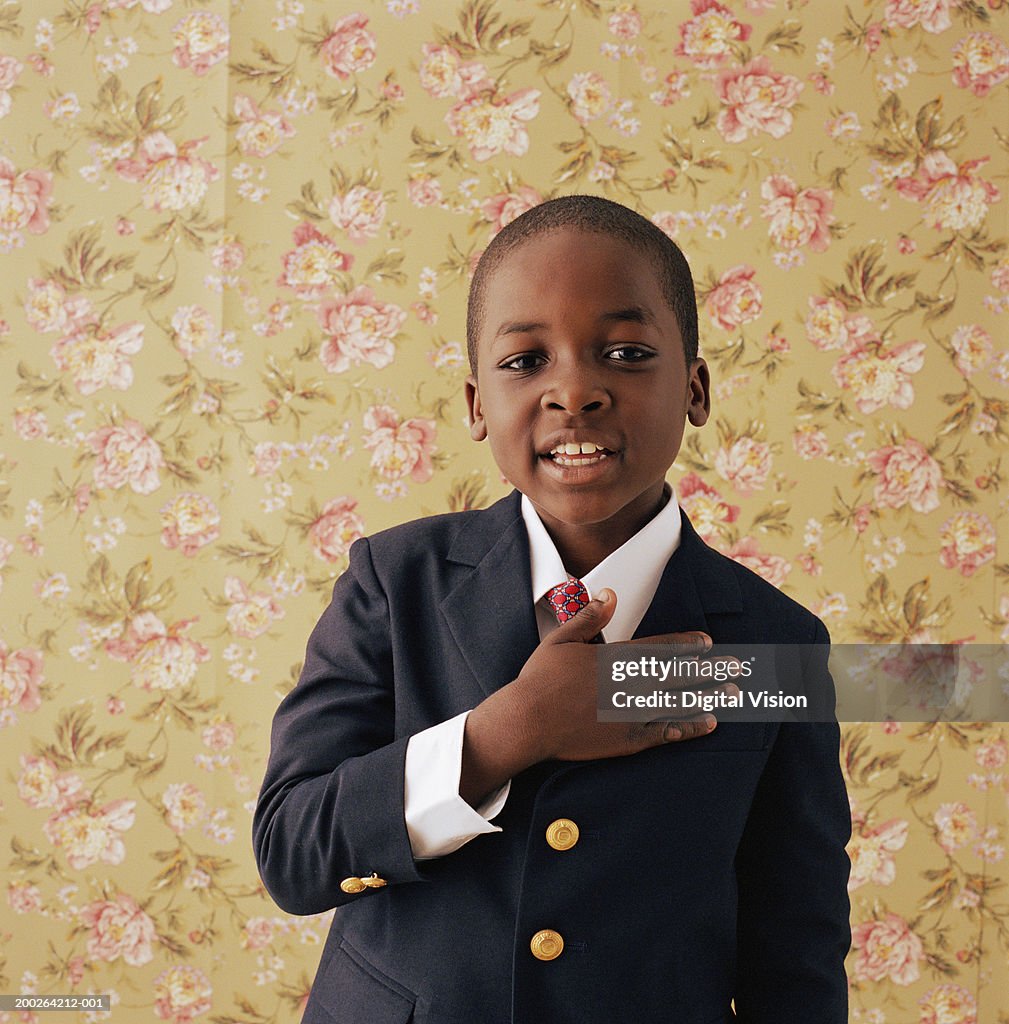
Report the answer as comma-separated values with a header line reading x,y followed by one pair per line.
x,y
567,599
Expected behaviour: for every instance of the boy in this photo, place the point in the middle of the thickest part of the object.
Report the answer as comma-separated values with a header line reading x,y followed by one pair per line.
x,y
673,872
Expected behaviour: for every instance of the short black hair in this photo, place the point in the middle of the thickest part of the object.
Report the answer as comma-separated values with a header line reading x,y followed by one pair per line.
x,y
600,216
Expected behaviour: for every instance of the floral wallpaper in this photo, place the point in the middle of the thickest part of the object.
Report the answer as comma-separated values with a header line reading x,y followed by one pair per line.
x,y
235,240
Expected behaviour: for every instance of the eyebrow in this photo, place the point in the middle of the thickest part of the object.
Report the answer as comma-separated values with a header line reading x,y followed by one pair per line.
x,y
632,314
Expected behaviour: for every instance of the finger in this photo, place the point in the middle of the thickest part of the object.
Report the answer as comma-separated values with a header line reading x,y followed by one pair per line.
x,y
689,729
692,642
589,621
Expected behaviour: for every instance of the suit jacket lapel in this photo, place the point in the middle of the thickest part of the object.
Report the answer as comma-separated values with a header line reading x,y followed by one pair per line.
x,y
489,613
492,619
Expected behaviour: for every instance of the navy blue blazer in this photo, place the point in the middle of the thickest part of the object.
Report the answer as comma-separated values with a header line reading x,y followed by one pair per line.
x,y
705,872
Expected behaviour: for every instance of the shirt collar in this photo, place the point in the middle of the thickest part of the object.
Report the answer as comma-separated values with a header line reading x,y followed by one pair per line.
x,y
632,572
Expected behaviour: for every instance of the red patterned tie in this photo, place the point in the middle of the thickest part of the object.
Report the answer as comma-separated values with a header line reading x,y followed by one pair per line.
x,y
567,599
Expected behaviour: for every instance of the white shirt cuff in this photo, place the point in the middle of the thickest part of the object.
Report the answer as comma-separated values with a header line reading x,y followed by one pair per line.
x,y
438,820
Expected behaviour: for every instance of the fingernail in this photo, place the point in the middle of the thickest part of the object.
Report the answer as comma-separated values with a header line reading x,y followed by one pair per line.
x,y
603,596
709,722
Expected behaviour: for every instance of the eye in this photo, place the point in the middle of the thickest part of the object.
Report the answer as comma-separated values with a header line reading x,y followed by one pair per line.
x,y
525,361
630,353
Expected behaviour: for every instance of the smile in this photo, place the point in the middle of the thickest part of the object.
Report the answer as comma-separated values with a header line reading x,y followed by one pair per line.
x,y
578,453
579,460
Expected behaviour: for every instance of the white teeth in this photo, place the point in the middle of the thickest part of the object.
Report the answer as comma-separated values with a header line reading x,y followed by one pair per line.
x,y
561,460
574,448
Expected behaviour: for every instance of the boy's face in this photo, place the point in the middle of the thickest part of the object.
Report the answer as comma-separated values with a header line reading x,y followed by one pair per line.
x,y
578,346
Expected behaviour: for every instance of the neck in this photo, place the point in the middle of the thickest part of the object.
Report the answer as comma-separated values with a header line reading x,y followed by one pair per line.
x,y
583,547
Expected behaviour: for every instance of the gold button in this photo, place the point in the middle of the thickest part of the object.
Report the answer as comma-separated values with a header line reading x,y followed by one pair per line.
x,y
562,834
373,882
352,885
547,945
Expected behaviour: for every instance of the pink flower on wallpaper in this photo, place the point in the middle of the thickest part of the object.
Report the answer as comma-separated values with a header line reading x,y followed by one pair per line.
x,y
201,41
193,329
399,449
185,806
337,527
878,378
173,178
42,784
709,38
260,132
24,898
501,209
189,522
973,347
443,74
887,950
826,325
359,329
756,98
493,124
772,568
932,15
360,213
349,47
967,542
20,679
745,464
30,423
127,454
590,96
162,658
908,475
625,22
424,189
956,825
220,734
311,268
24,204
953,197
50,310
704,505
182,993
810,442
100,358
257,933
10,68
228,254
737,299
980,62
992,754
119,929
871,853
797,217
250,612
266,458
948,1004
89,834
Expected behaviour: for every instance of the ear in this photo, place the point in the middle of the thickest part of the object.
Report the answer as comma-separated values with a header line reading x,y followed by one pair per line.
x,y
477,426
700,393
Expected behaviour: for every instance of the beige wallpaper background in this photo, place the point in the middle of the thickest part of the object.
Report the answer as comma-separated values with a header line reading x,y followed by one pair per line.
x,y
234,248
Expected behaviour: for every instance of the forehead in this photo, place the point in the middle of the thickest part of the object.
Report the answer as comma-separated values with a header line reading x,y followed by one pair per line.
x,y
577,256
571,268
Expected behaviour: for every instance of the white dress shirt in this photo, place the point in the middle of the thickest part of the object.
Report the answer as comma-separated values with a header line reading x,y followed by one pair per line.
x,y
438,820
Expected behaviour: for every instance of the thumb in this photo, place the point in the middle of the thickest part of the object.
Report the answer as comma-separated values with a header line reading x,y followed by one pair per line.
x,y
591,619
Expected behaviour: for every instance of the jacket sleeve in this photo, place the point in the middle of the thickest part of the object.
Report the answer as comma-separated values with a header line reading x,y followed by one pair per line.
x,y
793,927
331,804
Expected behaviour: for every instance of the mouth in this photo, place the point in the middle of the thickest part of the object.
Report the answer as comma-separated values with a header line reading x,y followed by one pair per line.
x,y
575,454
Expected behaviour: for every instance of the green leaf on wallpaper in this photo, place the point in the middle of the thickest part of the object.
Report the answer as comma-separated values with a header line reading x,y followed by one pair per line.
x,y
9,21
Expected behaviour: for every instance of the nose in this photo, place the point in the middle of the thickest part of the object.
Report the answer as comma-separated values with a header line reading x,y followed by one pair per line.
x,y
575,390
